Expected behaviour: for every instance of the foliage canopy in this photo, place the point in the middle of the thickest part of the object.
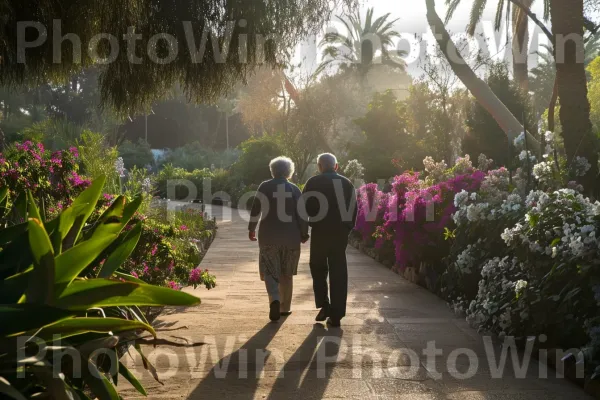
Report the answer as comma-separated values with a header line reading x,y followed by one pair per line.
x,y
236,37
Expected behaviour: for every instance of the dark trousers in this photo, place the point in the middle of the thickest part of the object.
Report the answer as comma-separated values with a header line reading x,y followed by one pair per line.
x,y
328,258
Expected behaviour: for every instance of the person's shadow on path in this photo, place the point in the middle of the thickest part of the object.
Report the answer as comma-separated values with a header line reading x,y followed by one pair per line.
x,y
308,371
235,376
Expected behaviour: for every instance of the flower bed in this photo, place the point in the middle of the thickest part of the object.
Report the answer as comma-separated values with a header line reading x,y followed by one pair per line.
x,y
171,246
514,261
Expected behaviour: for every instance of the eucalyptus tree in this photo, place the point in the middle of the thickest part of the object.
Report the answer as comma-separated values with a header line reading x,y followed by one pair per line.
x,y
520,30
568,20
148,46
363,46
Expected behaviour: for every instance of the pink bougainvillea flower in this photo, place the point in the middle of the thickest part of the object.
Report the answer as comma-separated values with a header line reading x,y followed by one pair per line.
x,y
195,276
74,151
174,285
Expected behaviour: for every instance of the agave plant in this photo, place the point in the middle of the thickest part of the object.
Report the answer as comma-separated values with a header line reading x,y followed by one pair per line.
x,y
50,299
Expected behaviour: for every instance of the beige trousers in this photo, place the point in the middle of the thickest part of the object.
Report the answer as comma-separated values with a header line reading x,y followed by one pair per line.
x,y
281,291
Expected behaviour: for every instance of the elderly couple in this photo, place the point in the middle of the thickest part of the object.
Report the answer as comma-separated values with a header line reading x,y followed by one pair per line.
x,y
283,214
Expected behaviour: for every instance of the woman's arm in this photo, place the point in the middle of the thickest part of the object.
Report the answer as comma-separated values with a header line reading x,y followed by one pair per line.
x,y
255,211
302,222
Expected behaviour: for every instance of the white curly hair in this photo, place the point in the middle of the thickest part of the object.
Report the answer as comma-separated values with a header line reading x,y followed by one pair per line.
x,y
282,167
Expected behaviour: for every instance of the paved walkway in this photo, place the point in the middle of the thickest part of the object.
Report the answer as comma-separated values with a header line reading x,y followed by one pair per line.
x,y
377,354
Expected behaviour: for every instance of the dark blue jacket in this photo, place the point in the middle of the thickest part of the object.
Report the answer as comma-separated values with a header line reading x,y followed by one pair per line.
x,y
334,197
277,218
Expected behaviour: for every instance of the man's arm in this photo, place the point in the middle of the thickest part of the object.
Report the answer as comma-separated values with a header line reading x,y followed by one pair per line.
x,y
355,205
309,206
311,202
351,203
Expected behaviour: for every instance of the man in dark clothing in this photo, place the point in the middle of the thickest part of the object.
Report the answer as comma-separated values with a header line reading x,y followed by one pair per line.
x,y
330,201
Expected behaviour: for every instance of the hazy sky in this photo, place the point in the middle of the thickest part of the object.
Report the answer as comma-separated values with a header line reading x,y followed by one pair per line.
x,y
412,23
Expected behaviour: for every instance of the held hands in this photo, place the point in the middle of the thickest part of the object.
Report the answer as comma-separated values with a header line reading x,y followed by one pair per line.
x,y
252,236
305,238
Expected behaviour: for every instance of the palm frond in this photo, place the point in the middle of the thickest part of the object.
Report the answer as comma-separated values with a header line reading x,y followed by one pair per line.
x,y
330,51
351,32
322,66
331,38
385,29
355,22
452,6
378,24
386,40
476,14
367,27
498,19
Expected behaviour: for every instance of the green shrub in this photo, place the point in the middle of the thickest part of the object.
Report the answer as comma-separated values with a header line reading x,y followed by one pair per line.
x,y
195,156
98,159
136,154
170,173
253,165
139,182
55,133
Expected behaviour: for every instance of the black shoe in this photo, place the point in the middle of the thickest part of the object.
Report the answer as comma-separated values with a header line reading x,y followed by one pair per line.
x,y
285,313
333,322
323,314
274,312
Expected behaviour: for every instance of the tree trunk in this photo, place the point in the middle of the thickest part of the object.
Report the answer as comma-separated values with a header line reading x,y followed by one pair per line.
x,y
567,25
2,141
478,88
227,129
520,46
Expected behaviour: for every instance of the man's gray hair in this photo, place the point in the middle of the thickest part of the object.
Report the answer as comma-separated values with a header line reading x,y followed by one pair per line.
x,y
327,161
281,167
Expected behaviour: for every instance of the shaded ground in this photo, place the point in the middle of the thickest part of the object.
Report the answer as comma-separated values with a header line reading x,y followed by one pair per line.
x,y
377,354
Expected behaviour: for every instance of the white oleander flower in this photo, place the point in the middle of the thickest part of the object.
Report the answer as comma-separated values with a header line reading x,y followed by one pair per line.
x,y
461,198
520,286
523,156
581,165
519,140
543,172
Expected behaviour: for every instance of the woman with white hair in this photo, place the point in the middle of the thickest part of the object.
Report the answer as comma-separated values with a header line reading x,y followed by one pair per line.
x,y
274,211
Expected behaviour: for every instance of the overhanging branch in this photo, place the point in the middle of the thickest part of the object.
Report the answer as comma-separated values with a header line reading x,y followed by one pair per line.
x,y
478,88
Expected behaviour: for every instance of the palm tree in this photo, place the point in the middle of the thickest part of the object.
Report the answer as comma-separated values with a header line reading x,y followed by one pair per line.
x,y
543,76
520,45
363,46
568,20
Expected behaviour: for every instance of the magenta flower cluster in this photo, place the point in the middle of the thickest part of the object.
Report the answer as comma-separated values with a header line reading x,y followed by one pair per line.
x,y
411,216
52,176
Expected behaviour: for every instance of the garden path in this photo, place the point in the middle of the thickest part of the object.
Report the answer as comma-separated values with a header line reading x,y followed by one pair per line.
x,y
387,317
